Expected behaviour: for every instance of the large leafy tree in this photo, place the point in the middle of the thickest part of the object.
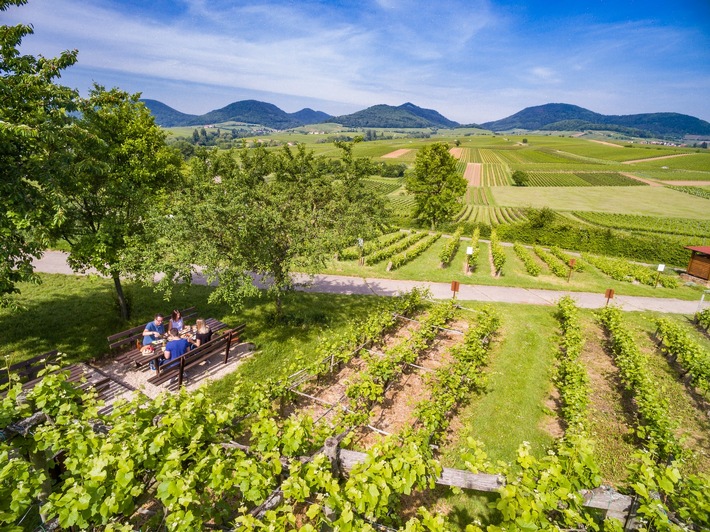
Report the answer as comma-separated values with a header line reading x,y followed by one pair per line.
x,y
436,184
252,213
118,170
33,126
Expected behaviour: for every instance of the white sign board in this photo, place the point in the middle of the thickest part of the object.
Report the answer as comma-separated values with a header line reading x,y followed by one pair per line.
x,y
661,267
469,250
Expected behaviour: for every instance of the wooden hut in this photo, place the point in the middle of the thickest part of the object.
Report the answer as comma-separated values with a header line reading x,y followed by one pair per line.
x,y
699,265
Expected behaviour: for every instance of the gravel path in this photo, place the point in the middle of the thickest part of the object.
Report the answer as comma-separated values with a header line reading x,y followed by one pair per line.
x,y
55,262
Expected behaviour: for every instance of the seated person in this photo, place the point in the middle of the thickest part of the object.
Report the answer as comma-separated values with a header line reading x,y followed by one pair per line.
x,y
176,321
154,330
203,334
176,346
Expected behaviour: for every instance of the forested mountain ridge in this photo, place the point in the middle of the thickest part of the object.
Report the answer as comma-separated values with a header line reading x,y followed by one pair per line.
x,y
166,116
562,116
248,111
551,116
406,115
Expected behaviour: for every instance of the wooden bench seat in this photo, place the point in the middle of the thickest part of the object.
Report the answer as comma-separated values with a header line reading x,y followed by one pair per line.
x,y
175,369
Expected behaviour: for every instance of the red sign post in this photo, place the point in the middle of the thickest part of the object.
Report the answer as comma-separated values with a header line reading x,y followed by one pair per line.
x,y
455,288
572,264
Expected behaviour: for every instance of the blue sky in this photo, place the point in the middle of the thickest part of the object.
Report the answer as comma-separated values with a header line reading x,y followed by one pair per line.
x,y
471,60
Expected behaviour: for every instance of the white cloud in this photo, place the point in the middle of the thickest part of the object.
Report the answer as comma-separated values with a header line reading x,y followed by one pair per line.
x,y
544,74
472,60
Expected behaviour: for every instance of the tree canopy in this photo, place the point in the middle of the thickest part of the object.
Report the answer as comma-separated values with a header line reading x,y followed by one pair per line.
x,y
254,213
33,127
118,168
436,184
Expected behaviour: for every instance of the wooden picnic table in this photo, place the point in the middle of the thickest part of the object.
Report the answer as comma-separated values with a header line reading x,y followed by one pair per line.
x,y
137,358
174,370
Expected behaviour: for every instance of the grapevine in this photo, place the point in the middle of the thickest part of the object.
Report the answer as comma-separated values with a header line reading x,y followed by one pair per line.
x,y
556,266
387,252
353,252
703,318
654,426
497,252
524,255
688,353
413,252
564,257
452,246
473,260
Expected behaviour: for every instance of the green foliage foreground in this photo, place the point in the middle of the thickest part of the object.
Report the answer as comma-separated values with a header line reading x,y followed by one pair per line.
x,y
201,462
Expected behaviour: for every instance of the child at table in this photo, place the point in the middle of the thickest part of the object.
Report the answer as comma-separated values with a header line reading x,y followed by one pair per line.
x,y
176,321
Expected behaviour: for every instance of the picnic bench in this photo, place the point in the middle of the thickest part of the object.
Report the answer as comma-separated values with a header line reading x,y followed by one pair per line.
x,y
129,342
175,369
27,370
82,375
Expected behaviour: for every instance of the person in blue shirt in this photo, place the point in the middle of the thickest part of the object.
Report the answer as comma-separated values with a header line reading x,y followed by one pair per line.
x,y
176,346
154,330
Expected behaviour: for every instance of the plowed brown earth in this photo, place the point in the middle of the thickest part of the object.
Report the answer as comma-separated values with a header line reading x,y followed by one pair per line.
x,y
395,154
456,153
402,397
610,410
330,390
473,174
553,424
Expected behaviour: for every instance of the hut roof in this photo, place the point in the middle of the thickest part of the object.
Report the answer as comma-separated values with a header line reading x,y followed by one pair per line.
x,y
700,249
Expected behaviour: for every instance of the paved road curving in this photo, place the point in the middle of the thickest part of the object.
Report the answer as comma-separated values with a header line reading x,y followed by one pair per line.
x,y
55,262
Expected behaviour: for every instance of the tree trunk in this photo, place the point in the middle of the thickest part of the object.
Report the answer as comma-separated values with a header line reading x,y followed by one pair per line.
x,y
279,305
122,303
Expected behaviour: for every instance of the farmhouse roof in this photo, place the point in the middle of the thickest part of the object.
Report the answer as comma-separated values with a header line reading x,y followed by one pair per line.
x,y
700,249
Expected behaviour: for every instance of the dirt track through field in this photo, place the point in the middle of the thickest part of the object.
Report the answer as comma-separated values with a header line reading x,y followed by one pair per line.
x,y
606,143
688,183
396,153
637,178
456,153
656,158
473,174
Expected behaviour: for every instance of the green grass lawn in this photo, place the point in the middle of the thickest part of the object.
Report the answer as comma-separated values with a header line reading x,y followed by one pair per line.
x,y
75,314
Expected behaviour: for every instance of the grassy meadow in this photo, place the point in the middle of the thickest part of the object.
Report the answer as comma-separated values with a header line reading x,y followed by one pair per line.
x,y
648,201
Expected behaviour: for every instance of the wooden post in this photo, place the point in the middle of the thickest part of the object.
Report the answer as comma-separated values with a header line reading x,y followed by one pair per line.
x,y
609,294
229,345
572,263
182,370
455,288
332,451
